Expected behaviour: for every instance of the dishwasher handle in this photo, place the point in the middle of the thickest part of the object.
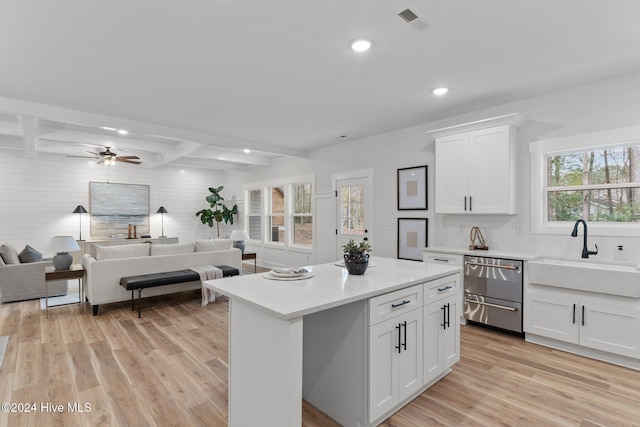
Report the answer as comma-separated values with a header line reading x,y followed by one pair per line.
x,y
484,264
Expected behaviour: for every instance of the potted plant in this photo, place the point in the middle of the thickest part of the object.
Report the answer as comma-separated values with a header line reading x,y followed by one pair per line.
x,y
356,258
217,211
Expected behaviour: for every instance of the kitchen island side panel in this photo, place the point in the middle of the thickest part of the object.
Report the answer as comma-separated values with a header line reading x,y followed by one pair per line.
x,y
265,368
335,362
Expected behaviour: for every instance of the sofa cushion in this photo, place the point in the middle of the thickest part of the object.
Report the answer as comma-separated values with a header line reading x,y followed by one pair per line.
x,y
29,254
9,254
172,249
213,245
122,251
2,263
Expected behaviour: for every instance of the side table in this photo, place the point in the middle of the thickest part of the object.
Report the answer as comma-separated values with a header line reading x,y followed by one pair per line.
x,y
76,271
253,256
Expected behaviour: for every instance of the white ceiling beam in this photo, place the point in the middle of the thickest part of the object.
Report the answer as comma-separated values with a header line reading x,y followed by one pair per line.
x,y
64,115
29,126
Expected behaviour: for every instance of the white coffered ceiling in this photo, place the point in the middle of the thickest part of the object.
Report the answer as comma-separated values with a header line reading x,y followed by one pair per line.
x,y
197,82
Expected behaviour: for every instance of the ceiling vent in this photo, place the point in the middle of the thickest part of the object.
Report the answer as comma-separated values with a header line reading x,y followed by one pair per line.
x,y
413,17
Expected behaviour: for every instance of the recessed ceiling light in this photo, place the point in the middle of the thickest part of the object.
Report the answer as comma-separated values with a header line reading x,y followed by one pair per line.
x,y
440,91
107,128
122,131
246,150
361,45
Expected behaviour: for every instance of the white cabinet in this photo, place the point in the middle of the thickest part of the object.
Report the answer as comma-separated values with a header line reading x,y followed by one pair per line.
x,y
454,260
597,321
475,171
395,361
441,339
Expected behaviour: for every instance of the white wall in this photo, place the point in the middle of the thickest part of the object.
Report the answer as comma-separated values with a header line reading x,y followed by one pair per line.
x,y
37,197
602,105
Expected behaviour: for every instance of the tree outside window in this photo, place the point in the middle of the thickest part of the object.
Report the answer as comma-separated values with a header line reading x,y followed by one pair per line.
x,y
302,214
276,216
601,185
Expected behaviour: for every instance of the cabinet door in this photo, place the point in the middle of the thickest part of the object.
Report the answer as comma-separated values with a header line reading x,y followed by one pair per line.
x,y
551,314
610,326
432,356
451,334
383,367
410,354
490,181
452,173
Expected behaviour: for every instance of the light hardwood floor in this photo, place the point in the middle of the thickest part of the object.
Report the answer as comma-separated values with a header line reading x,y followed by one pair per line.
x,y
170,368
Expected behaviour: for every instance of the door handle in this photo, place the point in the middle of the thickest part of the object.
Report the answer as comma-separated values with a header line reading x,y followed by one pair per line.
x,y
488,304
465,203
446,288
400,304
583,315
574,314
470,206
398,347
404,344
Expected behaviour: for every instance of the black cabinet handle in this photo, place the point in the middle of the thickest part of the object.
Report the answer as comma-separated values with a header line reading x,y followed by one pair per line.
x,y
448,310
400,304
404,344
465,203
470,205
398,347
446,288
583,315
574,314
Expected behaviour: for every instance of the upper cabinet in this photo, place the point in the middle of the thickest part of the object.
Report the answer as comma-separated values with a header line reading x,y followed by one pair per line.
x,y
475,166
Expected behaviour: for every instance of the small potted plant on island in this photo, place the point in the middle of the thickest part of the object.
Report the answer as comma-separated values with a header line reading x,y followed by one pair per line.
x,y
356,258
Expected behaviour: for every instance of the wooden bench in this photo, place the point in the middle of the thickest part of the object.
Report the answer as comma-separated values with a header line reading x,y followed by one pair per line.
x,y
142,281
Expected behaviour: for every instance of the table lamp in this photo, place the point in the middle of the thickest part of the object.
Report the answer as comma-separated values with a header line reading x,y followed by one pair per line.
x,y
62,245
80,210
162,210
238,237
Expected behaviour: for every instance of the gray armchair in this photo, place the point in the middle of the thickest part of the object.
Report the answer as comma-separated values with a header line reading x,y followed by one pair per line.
x,y
20,282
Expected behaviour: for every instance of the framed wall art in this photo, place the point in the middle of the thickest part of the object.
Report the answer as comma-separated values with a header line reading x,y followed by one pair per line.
x,y
114,206
412,237
412,188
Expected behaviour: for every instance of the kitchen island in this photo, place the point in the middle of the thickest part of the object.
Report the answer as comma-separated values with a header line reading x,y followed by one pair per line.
x,y
361,341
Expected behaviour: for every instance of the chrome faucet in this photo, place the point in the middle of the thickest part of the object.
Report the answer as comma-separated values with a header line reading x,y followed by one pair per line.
x,y
585,252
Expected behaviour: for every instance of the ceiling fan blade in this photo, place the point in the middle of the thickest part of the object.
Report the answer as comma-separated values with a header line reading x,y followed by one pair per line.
x,y
120,159
91,152
83,157
128,157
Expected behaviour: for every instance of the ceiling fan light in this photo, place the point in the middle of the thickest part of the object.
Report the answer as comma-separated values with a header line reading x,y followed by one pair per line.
x,y
440,91
361,45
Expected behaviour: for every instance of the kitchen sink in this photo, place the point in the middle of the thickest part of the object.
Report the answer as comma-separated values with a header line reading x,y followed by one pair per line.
x,y
614,278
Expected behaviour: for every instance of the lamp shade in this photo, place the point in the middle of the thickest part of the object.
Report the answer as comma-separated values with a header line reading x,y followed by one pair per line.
x,y
80,209
162,210
61,244
237,235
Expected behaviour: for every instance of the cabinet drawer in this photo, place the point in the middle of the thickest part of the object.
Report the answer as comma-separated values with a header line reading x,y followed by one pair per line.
x,y
390,305
441,288
450,259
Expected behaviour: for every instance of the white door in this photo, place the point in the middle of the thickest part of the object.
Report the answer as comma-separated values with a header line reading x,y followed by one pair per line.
x,y
410,354
451,334
384,340
552,314
353,212
489,170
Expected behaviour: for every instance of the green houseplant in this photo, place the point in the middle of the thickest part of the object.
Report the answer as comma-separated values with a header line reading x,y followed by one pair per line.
x,y
217,211
356,258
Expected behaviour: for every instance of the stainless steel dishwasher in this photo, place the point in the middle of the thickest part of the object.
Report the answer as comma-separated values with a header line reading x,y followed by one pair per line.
x,y
493,292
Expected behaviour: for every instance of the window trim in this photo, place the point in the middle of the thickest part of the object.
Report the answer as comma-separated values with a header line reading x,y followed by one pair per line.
x,y
592,140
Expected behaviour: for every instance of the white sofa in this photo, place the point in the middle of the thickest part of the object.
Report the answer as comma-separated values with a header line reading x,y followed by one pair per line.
x,y
103,273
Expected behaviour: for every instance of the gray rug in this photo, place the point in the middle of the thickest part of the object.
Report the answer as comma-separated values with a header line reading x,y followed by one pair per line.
x,y
70,298
3,347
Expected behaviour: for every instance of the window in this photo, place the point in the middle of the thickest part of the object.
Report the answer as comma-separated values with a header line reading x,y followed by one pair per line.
x,y
591,176
600,185
276,214
352,209
255,215
302,214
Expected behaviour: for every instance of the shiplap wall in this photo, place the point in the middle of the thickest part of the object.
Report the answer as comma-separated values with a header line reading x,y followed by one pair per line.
x,y
37,197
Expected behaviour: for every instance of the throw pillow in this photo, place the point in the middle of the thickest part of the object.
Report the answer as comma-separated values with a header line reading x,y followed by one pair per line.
x,y
172,249
9,254
29,254
2,262
213,245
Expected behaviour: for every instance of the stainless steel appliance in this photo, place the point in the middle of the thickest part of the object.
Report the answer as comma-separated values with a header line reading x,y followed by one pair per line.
x,y
493,292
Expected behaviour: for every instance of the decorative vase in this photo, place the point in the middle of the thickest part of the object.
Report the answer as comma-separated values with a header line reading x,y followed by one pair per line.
x,y
356,263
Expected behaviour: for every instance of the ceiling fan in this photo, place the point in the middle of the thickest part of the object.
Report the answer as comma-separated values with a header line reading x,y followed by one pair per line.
x,y
109,158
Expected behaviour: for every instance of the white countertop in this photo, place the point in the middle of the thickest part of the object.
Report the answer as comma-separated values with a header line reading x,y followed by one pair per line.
x,y
525,256
331,286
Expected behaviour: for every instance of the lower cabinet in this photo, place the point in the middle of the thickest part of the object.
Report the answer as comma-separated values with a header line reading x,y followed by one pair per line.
x,y
441,343
395,361
598,321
